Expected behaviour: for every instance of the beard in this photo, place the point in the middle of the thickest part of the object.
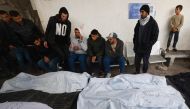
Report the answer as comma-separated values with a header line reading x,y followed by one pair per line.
x,y
143,17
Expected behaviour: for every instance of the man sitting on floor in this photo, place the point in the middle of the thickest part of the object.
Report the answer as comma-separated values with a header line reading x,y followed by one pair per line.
x,y
49,58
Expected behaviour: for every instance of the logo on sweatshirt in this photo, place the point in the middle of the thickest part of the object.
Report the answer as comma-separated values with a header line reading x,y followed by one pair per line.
x,y
61,29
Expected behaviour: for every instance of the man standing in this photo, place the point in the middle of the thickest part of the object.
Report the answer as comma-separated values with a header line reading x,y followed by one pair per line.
x,y
77,50
176,23
145,35
113,54
58,33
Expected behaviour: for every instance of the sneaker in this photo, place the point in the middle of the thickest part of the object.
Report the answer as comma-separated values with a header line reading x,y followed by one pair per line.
x,y
167,50
175,50
59,67
94,75
101,75
108,75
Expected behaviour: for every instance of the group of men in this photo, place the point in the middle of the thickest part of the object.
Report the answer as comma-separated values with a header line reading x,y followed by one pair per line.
x,y
17,37
94,53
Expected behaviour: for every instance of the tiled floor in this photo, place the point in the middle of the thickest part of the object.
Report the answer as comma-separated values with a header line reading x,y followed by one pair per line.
x,y
180,65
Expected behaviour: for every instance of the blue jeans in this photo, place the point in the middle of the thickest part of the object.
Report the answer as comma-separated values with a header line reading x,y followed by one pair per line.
x,y
96,67
77,57
51,66
22,56
112,60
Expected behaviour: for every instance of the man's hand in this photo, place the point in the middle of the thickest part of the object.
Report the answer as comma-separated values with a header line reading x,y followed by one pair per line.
x,y
113,49
174,29
46,59
81,37
75,48
93,59
11,46
45,44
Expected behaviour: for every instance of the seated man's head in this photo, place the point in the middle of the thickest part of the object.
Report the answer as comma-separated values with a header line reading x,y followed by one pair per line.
x,y
77,33
94,34
63,14
112,38
4,16
15,16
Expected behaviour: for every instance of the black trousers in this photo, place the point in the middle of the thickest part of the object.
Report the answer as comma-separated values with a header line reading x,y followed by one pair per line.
x,y
176,36
138,58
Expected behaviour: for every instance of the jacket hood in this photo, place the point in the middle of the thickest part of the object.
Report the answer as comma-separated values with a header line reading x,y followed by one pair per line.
x,y
58,17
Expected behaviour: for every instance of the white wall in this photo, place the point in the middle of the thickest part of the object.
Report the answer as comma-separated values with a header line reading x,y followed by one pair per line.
x,y
112,16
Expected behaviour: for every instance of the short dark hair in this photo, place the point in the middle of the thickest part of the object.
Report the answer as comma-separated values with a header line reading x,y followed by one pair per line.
x,y
37,37
94,32
14,13
179,6
3,12
76,29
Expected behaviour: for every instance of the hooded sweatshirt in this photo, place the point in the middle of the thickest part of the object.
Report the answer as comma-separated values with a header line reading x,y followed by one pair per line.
x,y
58,35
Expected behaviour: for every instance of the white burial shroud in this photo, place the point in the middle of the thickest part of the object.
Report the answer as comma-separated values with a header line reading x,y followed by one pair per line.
x,y
142,91
54,82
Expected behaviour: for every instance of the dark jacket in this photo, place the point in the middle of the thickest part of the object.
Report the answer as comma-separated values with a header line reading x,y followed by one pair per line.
x,y
26,32
148,37
7,36
4,42
4,34
58,35
118,50
96,48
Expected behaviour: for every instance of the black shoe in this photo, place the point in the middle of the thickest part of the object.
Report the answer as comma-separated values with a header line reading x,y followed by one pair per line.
x,y
167,50
175,50
136,73
101,74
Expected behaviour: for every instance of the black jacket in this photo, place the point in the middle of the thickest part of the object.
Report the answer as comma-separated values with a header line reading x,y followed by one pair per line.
x,y
58,35
3,38
26,32
96,48
148,37
7,36
118,50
